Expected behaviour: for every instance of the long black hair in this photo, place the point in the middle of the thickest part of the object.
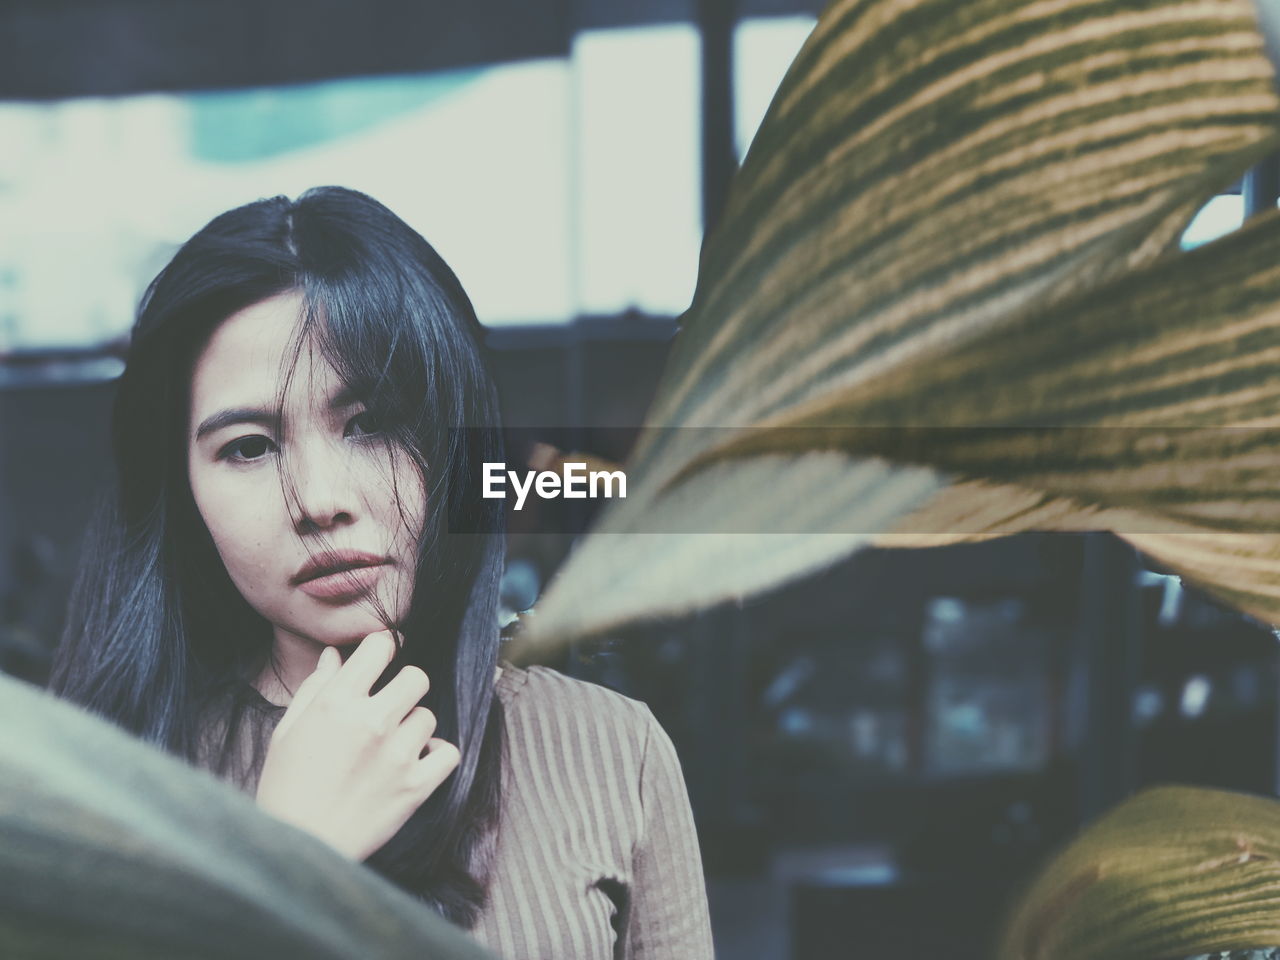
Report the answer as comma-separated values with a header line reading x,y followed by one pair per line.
x,y
158,638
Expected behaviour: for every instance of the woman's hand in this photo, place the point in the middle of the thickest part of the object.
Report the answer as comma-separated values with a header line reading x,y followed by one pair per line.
x,y
350,767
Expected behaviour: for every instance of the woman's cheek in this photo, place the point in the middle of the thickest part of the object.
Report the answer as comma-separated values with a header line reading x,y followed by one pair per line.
x,y
238,525
243,544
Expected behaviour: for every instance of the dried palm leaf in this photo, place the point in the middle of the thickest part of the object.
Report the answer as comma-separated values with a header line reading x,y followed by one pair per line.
x,y
946,301
1174,872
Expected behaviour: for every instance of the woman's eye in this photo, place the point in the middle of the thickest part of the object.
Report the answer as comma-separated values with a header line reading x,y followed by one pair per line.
x,y
362,424
246,449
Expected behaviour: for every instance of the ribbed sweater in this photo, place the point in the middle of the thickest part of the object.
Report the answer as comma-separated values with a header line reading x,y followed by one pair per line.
x,y
596,856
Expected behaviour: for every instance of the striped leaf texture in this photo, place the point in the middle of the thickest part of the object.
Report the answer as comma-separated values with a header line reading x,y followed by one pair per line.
x,y
946,301
112,850
1173,872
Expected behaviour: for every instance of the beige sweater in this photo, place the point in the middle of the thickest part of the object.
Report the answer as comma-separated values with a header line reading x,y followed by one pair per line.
x,y
596,856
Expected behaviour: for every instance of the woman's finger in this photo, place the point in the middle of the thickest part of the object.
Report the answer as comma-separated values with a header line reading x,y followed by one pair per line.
x,y
414,732
402,694
441,760
326,667
363,667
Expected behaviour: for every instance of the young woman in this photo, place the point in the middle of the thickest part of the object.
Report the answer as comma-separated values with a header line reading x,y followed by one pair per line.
x,y
278,590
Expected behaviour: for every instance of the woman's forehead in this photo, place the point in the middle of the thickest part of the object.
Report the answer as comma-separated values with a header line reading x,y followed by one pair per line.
x,y
254,353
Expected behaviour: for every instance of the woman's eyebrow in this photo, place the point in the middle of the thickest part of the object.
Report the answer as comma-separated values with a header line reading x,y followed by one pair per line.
x,y
225,418
345,397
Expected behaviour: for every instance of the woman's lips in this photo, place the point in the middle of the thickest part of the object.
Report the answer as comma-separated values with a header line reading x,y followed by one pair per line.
x,y
343,586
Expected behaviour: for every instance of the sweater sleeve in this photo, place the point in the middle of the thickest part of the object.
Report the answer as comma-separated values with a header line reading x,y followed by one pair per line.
x,y
667,917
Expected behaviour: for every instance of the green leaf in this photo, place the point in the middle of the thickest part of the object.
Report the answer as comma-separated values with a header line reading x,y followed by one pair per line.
x,y
114,850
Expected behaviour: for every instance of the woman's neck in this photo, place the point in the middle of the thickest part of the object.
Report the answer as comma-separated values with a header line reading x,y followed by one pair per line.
x,y
292,660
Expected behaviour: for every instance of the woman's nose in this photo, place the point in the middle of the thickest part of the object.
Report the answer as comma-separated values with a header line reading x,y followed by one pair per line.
x,y
322,490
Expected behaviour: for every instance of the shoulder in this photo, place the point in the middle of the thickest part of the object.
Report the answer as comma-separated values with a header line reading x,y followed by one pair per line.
x,y
533,691
579,722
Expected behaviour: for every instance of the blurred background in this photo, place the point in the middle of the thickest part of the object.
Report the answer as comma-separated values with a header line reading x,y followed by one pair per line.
x,y
877,756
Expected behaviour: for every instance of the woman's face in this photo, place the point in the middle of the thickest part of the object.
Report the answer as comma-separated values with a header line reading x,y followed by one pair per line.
x,y
343,512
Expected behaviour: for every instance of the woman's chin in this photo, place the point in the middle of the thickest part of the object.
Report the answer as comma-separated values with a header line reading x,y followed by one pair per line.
x,y
346,634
